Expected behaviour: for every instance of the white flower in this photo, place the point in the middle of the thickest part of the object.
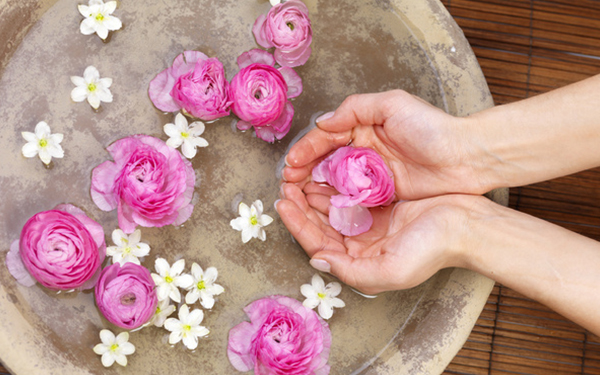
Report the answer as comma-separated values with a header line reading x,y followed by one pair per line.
x,y
323,296
42,143
180,133
98,18
128,248
91,87
274,2
187,327
169,278
251,221
114,348
203,287
163,310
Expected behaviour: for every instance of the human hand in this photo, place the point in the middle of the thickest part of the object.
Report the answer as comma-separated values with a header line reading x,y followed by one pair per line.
x,y
407,244
427,149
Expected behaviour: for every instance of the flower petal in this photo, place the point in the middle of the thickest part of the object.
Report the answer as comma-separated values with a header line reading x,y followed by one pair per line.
x,y
350,221
293,81
159,91
325,309
177,267
91,74
161,266
16,267
108,359
107,337
30,149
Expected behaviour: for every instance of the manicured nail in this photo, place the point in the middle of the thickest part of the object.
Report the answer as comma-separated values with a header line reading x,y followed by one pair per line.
x,y
281,192
325,116
320,265
275,204
286,161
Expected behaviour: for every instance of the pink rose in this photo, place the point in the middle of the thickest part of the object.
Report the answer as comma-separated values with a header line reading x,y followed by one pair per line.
x,y
260,95
195,83
149,183
125,295
363,180
287,28
283,337
62,249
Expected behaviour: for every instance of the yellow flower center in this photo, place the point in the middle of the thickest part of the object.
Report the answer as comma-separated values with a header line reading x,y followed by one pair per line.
x,y
92,87
100,17
201,285
253,220
127,250
321,295
168,279
158,310
185,134
114,347
43,142
187,328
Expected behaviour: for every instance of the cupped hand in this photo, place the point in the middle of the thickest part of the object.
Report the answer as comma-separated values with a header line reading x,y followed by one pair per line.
x,y
408,242
428,150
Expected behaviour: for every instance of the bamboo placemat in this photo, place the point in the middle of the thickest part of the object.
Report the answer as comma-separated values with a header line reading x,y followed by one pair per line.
x,y
526,47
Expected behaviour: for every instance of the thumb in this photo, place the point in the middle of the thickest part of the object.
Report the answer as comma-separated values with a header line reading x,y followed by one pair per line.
x,y
362,109
364,274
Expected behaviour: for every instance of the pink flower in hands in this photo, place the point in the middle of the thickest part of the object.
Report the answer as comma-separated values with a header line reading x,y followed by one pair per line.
x,y
287,28
125,295
62,249
260,95
195,83
149,183
282,337
363,180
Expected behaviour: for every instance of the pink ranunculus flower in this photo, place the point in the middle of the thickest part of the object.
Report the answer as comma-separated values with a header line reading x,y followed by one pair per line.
x,y
287,28
282,337
125,295
194,83
260,95
62,249
363,180
149,183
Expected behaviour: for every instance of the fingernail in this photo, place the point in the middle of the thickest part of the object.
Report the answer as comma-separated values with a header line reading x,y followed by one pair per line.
x,y
275,204
320,265
281,192
286,161
325,116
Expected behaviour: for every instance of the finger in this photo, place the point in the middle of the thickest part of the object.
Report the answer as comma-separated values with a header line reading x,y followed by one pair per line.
x,y
315,145
320,219
291,174
319,202
317,188
363,109
363,274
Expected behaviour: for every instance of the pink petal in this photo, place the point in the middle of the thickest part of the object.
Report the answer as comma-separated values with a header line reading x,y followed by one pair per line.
x,y
350,221
255,56
186,61
16,267
258,31
103,177
293,81
243,125
126,222
92,226
239,348
342,200
159,91
293,59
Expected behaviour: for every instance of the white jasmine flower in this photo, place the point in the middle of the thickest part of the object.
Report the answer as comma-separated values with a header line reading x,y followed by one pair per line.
x,y
274,2
187,327
323,296
251,221
163,310
203,287
114,348
98,18
128,248
42,143
188,136
169,278
91,87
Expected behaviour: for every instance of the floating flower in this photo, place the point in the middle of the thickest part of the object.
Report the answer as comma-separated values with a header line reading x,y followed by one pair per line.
x,y
251,221
282,337
98,18
170,278
323,296
260,95
62,249
194,83
149,183
125,295
187,327
204,287
363,180
188,136
274,2
128,248
163,311
42,143
114,348
91,87
287,28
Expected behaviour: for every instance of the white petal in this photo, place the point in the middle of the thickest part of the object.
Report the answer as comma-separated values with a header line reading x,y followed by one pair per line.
x,y
87,26
274,2
336,302
244,210
258,205
246,235
101,349
29,137
56,138
200,142
161,266
333,289
174,142
318,283
118,236
308,291
177,267
104,94
127,348
195,317
311,303
197,128
192,297
107,337
141,249
112,23
188,149
172,325
110,7
105,82
210,275
91,74
190,341
207,300
30,149
101,30
55,151
93,101
325,309
184,311
42,130
262,235
79,94
174,293
265,220
162,292
78,81
45,156
184,281
122,338
215,289
197,271
200,331
108,359
121,359
237,224
181,122
172,131
175,336
84,10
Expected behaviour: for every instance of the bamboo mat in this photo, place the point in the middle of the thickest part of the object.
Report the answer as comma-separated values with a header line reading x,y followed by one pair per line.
x,y
527,47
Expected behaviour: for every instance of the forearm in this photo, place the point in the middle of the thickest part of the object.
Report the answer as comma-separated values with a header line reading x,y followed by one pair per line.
x,y
540,260
540,138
